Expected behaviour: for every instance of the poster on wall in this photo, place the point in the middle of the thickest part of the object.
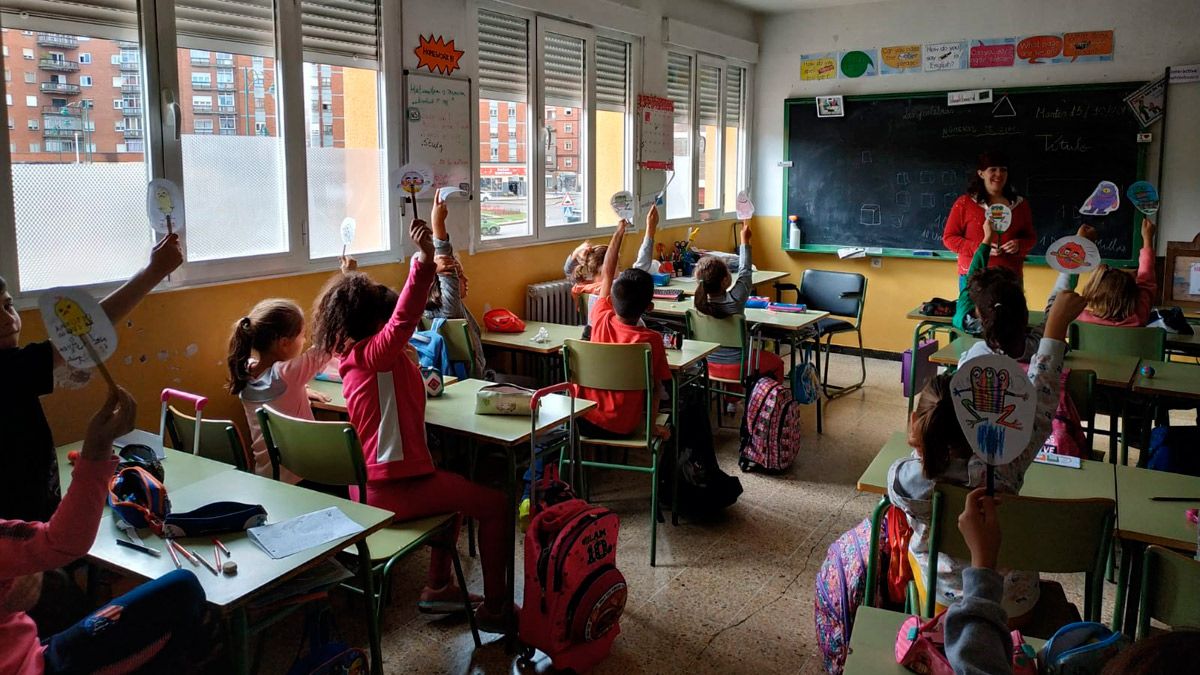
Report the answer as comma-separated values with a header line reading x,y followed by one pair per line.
x,y
939,56
1147,102
993,53
439,55
1093,45
821,66
857,63
656,115
1040,50
899,59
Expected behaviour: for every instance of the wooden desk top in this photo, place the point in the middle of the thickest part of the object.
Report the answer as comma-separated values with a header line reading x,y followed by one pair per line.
x,y
337,401
1035,317
1092,479
688,284
690,353
524,341
454,411
1170,379
179,468
1162,523
1111,370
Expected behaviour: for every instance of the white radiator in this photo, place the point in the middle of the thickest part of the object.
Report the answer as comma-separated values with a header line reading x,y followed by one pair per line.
x,y
551,301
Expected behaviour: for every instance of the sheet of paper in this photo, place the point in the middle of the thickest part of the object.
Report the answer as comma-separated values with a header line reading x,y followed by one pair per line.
x,y
291,536
1194,280
139,437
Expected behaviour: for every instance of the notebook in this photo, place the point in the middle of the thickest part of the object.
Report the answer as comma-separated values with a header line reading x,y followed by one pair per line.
x,y
291,536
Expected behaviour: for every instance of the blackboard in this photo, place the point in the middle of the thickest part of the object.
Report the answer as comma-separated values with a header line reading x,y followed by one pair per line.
x,y
886,174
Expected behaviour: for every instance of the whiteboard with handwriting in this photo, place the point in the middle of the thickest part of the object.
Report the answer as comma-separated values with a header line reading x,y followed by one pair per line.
x,y
438,120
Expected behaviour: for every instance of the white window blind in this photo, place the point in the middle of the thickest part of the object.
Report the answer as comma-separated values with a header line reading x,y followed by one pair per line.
x,y
710,95
562,73
503,56
612,74
344,29
679,83
733,95
243,22
120,13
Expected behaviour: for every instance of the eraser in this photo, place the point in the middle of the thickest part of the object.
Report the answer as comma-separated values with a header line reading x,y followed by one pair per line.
x,y
229,568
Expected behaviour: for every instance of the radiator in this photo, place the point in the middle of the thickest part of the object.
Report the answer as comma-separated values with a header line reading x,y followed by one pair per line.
x,y
551,301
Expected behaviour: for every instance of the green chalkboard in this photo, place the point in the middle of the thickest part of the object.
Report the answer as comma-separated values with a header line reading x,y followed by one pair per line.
x,y
886,174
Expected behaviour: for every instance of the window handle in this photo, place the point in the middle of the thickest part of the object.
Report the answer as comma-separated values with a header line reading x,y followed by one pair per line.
x,y
176,114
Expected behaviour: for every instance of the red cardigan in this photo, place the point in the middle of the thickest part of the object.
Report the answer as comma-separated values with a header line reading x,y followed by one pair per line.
x,y
964,232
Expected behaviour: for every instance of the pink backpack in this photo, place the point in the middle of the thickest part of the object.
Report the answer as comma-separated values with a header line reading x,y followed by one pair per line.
x,y
574,593
770,429
1066,429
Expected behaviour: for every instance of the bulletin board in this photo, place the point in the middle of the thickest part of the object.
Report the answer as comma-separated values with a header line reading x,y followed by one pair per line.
x,y
437,114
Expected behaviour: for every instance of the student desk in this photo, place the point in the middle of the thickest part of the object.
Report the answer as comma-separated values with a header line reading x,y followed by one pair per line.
x,y
257,572
1141,522
1184,345
454,412
545,354
688,284
1092,479
337,401
1111,370
180,468
873,643
928,327
1180,380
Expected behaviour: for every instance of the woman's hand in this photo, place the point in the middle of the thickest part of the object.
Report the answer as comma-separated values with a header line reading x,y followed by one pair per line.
x,y
1010,247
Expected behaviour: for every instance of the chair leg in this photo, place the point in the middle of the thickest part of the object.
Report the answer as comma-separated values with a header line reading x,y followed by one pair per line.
x,y
470,522
653,507
466,595
366,574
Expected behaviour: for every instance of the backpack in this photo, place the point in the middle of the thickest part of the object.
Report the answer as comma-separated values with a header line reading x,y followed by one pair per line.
x,y
574,593
939,307
770,430
840,586
324,655
704,489
139,498
1081,648
899,573
431,347
806,384
921,648
1174,449
1066,429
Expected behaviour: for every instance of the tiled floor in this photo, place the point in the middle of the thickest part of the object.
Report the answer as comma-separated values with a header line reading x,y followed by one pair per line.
x,y
729,596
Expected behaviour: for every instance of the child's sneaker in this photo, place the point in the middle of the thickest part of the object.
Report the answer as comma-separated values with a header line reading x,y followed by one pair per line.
x,y
445,600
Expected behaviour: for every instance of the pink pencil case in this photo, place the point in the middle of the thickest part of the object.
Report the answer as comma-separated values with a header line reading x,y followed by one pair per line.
x,y
787,307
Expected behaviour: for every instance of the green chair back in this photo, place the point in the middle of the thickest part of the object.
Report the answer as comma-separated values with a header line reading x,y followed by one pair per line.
x,y
581,308
219,439
1143,343
1081,387
727,332
1037,534
324,452
458,344
598,365
1169,584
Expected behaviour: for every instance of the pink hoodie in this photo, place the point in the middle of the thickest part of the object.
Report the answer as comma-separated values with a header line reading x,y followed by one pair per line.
x,y
30,547
1147,288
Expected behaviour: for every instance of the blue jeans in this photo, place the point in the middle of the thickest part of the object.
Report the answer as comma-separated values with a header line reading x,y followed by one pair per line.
x,y
148,628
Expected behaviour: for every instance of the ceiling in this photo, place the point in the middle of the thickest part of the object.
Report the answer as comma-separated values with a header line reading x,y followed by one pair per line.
x,y
776,6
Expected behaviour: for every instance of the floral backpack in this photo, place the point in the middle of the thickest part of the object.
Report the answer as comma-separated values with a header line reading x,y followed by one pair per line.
x,y
840,587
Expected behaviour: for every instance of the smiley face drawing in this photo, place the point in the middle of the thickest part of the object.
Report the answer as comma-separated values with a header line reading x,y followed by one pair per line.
x,y
1070,255
412,182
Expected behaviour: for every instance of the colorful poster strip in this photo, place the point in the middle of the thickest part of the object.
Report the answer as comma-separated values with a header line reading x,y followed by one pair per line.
x,y
1094,45
857,63
993,53
821,66
899,59
939,56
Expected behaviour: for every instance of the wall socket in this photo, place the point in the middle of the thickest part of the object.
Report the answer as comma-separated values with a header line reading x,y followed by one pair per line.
x,y
876,262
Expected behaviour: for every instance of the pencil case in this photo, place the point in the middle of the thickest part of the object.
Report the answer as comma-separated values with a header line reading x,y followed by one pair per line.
x,y
787,307
215,518
503,399
757,302
661,279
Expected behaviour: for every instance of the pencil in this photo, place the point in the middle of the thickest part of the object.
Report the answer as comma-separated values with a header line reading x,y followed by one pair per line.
x,y
186,553
1175,499
204,561
223,547
171,550
138,547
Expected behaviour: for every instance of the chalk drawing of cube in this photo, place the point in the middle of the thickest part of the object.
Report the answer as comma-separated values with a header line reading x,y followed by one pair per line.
x,y
902,199
927,177
901,178
927,200
868,214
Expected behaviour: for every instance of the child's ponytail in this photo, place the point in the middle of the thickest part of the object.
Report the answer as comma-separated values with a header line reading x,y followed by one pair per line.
x,y
935,431
712,277
270,320
1003,312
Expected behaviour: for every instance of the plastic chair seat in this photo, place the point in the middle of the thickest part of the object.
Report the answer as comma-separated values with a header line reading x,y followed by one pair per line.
x,y
399,537
638,441
831,326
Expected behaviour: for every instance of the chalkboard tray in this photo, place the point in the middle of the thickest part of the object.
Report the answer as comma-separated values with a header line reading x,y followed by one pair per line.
x,y
886,174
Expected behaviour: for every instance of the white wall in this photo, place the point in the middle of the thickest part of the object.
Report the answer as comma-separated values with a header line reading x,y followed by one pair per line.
x,y
1149,35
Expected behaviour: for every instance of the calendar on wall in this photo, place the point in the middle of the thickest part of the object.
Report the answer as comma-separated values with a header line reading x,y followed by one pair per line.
x,y
656,115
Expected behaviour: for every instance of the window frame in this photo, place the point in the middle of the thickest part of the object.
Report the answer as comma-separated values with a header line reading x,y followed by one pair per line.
x,y
702,59
596,218
157,39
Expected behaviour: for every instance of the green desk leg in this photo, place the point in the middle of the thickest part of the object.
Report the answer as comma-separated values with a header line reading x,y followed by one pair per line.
x,y
675,444
367,578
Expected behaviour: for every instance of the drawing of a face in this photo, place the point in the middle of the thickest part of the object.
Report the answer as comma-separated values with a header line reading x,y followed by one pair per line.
x,y
1071,255
412,182
73,317
163,199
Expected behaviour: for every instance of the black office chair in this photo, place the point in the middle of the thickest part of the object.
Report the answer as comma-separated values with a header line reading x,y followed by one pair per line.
x,y
843,295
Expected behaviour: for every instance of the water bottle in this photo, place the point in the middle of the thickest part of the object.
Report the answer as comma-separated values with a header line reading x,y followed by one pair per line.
x,y
795,235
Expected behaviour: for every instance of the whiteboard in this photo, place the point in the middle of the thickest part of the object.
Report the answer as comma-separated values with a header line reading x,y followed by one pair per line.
x,y
439,130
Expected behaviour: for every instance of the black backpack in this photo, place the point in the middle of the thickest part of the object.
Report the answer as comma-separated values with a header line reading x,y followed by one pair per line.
x,y
704,489
939,307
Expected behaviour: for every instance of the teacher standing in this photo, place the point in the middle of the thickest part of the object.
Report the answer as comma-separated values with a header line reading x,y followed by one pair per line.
x,y
964,226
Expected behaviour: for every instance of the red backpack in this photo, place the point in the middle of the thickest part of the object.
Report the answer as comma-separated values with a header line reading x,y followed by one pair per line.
x,y
574,593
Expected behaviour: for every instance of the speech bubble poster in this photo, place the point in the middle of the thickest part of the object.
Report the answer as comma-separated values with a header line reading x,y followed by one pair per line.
x,y
995,403
993,53
856,63
939,56
1040,50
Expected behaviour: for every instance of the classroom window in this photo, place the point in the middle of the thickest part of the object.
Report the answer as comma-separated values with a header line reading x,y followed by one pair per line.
x,y
708,138
234,184
79,208
679,90
563,73
613,129
735,143
504,209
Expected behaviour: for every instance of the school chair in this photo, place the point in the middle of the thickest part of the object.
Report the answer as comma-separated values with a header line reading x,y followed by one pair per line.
x,y
1169,583
310,450
582,302
620,367
728,332
220,440
1037,534
1141,343
458,345
844,296
1081,388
